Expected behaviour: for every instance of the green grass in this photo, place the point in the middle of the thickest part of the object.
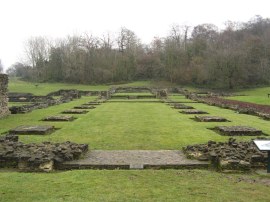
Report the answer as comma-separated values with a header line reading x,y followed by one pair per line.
x,y
16,85
121,125
180,98
254,95
129,125
121,185
10,104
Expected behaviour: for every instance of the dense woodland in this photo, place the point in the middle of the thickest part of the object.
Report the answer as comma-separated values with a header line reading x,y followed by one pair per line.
x,y
237,56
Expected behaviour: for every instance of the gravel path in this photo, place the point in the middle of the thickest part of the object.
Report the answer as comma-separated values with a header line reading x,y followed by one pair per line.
x,y
134,159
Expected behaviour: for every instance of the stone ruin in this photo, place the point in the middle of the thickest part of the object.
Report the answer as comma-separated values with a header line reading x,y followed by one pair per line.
x,y
73,93
229,155
210,119
75,111
42,157
59,118
85,107
37,102
162,94
192,111
237,131
32,130
182,106
4,110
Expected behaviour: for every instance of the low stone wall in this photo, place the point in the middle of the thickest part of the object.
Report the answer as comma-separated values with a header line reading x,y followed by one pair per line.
x,y
42,157
229,155
4,111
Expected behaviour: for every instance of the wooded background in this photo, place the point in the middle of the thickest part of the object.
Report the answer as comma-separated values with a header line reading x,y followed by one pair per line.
x,y
237,56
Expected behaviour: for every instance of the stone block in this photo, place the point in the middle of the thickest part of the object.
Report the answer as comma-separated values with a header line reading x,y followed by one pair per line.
x,y
193,111
59,118
32,130
75,111
210,119
238,131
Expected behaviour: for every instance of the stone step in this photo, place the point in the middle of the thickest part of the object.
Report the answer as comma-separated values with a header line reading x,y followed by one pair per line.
x,y
134,159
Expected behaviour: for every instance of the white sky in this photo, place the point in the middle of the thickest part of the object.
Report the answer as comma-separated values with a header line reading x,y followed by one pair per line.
x,y
21,19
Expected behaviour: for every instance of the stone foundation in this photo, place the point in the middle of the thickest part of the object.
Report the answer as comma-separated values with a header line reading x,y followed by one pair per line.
x,y
237,131
4,111
42,157
229,155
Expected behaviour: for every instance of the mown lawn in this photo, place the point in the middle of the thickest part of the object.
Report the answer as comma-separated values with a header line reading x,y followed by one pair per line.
x,y
128,185
254,95
131,125
16,85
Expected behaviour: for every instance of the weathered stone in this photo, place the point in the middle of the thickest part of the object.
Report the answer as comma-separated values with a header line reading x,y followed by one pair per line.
x,y
162,94
59,118
75,111
4,110
210,119
238,131
32,130
229,155
193,111
38,157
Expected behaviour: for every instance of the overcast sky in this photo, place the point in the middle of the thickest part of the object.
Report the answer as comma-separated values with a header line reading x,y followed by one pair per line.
x,y
21,19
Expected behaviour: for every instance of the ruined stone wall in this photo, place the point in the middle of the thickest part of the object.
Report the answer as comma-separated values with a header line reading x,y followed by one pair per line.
x,y
4,111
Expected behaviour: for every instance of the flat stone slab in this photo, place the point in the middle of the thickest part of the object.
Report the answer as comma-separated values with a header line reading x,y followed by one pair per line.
x,y
192,111
32,130
182,106
210,119
84,107
134,159
237,131
75,111
59,118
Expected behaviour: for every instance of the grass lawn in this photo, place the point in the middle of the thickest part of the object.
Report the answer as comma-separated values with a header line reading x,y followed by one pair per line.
x,y
254,95
16,85
180,98
124,185
132,125
127,126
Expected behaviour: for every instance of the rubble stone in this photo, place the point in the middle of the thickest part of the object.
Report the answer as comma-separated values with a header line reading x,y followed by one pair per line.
x,y
4,110
229,155
44,156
